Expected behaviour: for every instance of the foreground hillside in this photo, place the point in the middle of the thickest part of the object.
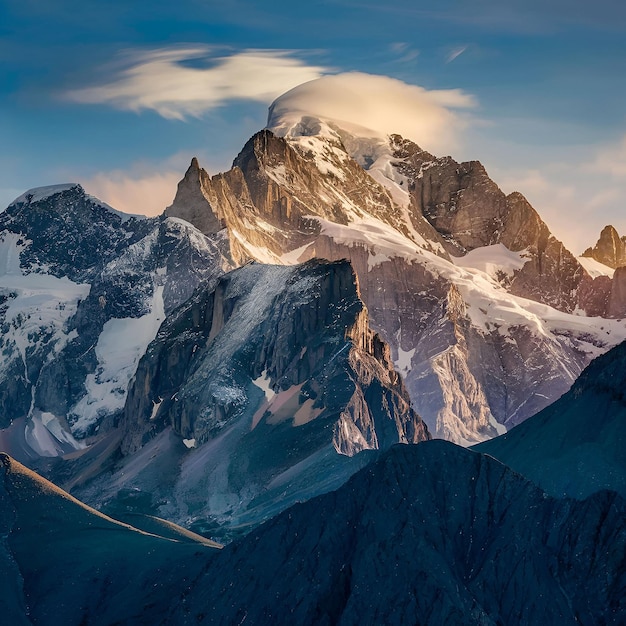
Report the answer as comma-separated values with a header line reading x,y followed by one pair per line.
x,y
429,534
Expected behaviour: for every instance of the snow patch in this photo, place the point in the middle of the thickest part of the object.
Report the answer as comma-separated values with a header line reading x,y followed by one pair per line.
x,y
381,240
403,362
493,260
263,382
120,346
595,268
41,193
37,306
46,436
259,253
296,256
155,408
500,428
11,247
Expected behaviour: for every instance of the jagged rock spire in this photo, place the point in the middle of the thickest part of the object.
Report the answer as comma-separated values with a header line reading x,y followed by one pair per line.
x,y
193,201
610,249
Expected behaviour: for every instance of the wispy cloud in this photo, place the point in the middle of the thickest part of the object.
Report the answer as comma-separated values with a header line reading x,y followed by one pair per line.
x,y
190,81
455,53
405,51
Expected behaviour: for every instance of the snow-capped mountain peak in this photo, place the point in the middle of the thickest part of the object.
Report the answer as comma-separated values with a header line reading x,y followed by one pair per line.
x,y
38,194
41,193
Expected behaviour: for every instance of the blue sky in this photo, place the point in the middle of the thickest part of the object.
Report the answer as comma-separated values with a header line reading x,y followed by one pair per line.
x,y
86,90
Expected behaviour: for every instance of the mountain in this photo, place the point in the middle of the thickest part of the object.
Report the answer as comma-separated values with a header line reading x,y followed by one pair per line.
x,y
483,309
163,376
265,379
423,535
207,367
575,447
607,259
476,298
76,317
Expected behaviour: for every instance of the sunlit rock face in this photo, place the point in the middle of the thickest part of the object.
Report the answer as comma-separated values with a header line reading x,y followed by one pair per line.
x,y
192,201
610,249
416,229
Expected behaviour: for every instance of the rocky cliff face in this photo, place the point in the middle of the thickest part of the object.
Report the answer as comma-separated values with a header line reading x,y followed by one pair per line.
x,y
274,197
297,331
469,210
192,201
90,232
608,258
575,446
402,217
266,374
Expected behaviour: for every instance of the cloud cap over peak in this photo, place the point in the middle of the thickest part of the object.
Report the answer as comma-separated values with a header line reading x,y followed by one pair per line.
x,y
380,104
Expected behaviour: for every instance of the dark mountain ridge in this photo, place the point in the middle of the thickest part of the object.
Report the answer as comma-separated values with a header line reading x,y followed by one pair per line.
x,y
576,446
428,534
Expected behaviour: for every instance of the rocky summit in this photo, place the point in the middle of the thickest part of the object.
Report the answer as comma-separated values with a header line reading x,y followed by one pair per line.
x,y
267,375
489,318
610,249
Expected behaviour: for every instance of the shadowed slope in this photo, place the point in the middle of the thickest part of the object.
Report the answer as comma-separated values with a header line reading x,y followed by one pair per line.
x,y
576,446
77,565
429,534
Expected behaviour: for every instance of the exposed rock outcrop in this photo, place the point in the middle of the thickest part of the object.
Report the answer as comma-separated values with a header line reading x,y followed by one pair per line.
x,y
470,211
617,299
192,202
265,375
610,248
320,192
301,333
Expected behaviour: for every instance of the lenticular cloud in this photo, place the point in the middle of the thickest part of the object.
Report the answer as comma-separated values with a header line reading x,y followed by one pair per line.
x,y
162,80
377,105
